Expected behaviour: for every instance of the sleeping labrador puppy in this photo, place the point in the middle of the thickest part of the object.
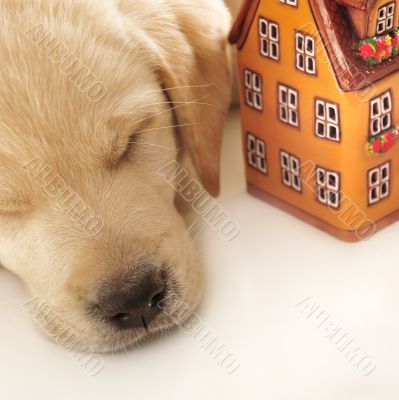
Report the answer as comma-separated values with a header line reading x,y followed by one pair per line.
x,y
95,99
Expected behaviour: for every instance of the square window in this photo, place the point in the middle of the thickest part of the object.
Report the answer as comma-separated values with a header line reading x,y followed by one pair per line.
x,y
288,105
328,187
290,171
385,18
379,183
256,149
269,38
380,114
253,90
327,120
305,46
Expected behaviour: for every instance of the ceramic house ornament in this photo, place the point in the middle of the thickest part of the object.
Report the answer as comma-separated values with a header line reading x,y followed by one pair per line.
x,y
320,92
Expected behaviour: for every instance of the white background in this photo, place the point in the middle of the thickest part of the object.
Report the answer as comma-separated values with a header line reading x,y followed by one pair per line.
x,y
253,285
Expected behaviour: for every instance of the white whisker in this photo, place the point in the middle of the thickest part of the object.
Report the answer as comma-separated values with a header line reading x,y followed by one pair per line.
x,y
181,87
166,127
153,145
173,108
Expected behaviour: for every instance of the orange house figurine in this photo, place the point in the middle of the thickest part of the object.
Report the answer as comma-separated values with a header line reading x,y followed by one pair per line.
x,y
320,93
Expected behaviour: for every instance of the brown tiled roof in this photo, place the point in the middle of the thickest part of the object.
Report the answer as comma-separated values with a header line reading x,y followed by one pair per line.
x,y
243,23
339,38
360,4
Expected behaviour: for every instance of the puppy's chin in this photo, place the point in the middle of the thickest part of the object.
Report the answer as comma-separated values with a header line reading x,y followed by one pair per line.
x,y
92,334
81,327
116,340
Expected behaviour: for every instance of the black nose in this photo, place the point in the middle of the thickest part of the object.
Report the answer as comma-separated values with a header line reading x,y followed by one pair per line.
x,y
133,303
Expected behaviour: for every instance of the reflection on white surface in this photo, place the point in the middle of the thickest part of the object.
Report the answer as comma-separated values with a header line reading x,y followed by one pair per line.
x,y
253,285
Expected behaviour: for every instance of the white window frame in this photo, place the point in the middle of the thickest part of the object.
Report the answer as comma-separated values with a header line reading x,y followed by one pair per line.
x,y
381,113
253,89
328,189
290,171
385,18
269,39
292,3
256,151
305,55
379,182
288,105
327,120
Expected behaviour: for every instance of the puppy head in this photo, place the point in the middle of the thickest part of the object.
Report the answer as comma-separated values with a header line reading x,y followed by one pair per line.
x,y
86,220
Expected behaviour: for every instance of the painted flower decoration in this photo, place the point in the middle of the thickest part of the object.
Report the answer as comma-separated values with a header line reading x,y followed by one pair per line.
x,y
382,143
375,50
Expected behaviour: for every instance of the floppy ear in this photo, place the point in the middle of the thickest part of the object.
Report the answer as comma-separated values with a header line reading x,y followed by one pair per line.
x,y
196,73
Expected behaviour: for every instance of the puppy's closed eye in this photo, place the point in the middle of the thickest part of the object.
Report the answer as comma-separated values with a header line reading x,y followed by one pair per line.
x,y
133,142
14,202
125,133
15,189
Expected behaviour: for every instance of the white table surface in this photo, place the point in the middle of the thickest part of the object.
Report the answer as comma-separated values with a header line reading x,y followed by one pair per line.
x,y
253,285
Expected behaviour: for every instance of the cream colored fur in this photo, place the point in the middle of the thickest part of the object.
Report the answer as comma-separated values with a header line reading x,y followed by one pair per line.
x,y
135,48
